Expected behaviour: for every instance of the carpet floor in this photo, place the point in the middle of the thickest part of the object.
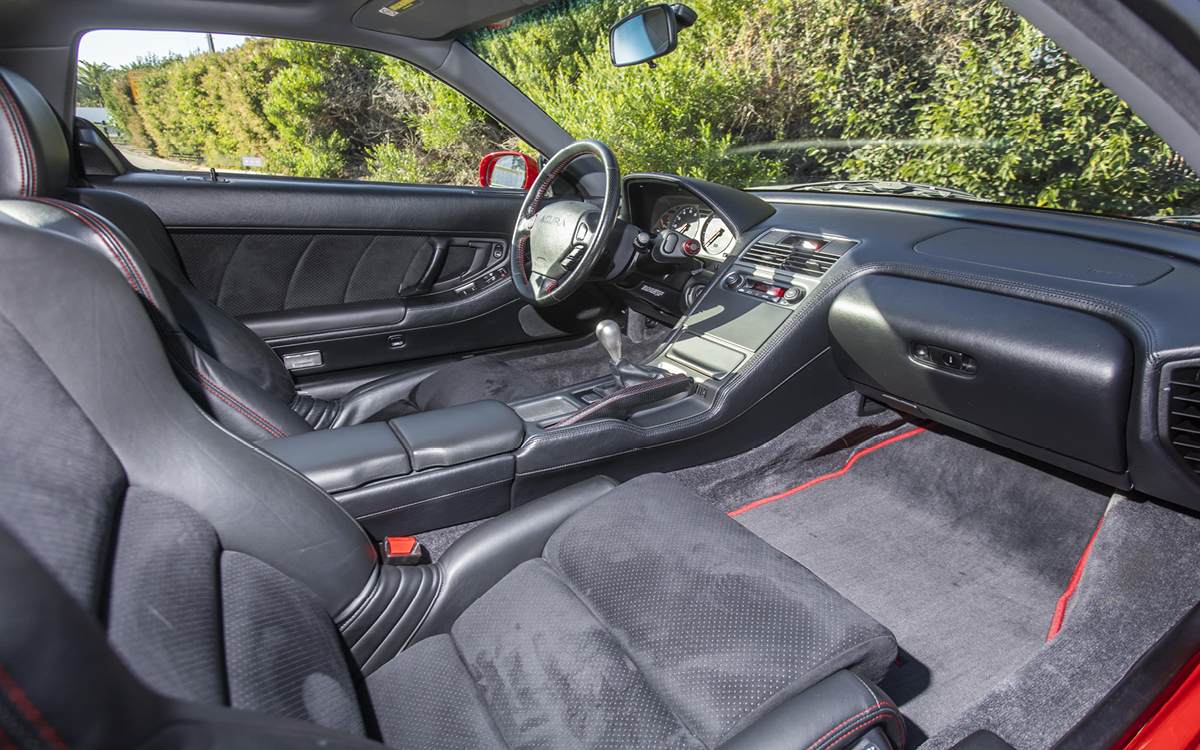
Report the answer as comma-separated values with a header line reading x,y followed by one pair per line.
x,y
961,549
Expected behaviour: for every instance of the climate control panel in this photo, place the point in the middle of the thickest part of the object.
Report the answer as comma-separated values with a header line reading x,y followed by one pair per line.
x,y
764,290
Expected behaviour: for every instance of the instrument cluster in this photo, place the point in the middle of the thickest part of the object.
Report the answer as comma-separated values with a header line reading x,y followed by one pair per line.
x,y
699,222
658,205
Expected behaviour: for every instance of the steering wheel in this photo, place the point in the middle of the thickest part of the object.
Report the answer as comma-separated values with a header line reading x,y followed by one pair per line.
x,y
563,240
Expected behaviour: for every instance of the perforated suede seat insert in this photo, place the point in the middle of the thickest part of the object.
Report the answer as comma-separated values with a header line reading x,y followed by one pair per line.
x,y
629,633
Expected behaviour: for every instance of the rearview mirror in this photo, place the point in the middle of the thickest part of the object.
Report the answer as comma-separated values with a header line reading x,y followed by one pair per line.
x,y
648,34
507,169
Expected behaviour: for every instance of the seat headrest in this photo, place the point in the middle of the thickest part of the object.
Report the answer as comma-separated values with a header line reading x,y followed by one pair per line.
x,y
34,157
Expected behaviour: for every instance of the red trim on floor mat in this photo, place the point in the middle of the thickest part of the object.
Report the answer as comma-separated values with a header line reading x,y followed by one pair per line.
x,y
834,475
1060,610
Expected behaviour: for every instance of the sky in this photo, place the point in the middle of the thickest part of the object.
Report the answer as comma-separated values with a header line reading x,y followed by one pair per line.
x,y
117,48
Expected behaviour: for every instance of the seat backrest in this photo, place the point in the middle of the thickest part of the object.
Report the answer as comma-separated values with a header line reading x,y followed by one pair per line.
x,y
62,686
228,369
110,469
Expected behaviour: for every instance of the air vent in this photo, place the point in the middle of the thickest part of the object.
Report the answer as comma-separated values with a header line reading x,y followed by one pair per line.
x,y
794,254
1183,421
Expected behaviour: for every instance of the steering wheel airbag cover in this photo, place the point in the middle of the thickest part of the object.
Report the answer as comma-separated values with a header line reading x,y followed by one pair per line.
x,y
555,227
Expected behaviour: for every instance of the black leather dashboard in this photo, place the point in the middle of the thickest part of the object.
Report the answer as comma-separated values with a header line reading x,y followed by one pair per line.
x,y
1065,321
1072,373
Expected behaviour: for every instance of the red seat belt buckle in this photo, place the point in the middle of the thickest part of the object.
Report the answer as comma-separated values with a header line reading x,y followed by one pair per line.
x,y
400,550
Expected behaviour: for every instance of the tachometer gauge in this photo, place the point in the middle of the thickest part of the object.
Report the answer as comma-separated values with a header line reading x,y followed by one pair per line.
x,y
686,220
716,238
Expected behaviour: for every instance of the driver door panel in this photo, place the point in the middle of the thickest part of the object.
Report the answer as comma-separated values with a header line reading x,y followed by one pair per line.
x,y
365,273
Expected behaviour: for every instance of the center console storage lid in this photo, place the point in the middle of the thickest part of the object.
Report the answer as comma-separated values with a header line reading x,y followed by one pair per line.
x,y
447,437
344,458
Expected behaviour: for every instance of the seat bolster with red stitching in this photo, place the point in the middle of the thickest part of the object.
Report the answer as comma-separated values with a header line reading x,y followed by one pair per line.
x,y
242,408
233,400
221,336
831,715
34,159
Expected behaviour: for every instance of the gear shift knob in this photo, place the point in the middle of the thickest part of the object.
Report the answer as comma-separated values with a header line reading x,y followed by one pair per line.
x,y
609,334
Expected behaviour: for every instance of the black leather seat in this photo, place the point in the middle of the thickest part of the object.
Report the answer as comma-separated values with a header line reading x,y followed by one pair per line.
x,y
229,370
156,570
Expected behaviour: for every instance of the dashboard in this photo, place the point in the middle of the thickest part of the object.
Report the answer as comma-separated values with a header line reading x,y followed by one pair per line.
x,y
1071,338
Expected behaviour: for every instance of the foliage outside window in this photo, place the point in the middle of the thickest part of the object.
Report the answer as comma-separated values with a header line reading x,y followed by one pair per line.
x,y
310,110
958,93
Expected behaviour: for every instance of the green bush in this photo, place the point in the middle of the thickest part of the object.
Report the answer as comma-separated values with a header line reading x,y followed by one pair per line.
x,y
954,92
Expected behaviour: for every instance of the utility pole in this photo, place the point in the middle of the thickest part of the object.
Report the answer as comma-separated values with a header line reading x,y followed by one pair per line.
x,y
211,47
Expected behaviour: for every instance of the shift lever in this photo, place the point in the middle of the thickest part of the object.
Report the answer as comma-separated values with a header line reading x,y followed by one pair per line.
x,y
624,372
609,334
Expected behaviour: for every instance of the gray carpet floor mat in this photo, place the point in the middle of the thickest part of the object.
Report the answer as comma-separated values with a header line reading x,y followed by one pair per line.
x,y
958,548
1141,578
815,446
436,542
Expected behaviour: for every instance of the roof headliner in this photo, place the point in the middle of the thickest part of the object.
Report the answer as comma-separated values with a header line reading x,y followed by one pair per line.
x,y
29,23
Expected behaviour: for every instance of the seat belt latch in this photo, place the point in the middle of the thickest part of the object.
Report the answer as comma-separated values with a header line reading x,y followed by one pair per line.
x,y
400,550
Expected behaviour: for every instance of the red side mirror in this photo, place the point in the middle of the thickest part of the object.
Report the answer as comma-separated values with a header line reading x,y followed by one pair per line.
x,y
507,169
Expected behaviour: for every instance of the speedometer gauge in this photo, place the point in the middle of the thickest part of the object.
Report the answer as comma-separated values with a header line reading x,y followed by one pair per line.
x,y
716,238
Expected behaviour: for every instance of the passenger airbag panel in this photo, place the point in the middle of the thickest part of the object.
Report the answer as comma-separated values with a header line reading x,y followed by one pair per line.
x,y
1054,378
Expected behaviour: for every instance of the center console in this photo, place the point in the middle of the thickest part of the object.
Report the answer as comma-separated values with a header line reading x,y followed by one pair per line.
x,y
415,473
738,368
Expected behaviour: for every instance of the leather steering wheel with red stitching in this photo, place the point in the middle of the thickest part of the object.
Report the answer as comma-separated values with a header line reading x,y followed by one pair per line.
x,y
555,246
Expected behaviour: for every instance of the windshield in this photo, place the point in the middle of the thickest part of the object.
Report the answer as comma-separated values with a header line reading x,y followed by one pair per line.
x,y
963,95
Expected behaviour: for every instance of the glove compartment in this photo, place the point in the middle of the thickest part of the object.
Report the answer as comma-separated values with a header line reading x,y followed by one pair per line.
x,y
1039,375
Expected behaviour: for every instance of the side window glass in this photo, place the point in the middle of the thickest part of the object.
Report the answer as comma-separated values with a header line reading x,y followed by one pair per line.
x,y
187,101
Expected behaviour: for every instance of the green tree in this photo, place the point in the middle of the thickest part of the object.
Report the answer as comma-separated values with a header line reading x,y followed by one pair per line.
x,y
88,80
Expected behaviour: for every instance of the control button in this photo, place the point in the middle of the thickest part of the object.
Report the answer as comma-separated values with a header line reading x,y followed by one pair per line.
x,y
497,251
951,360
691,247
734,280
466,291
793,295
921,352
572,258
396,341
